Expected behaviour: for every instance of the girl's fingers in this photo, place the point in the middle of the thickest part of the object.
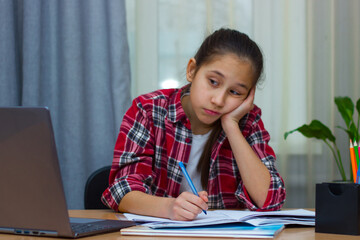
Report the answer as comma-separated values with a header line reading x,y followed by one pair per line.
x,y
200,202
204,196
250,99
187,206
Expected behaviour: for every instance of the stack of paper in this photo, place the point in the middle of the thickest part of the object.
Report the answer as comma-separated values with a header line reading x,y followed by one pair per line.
x,y
222,223
298,217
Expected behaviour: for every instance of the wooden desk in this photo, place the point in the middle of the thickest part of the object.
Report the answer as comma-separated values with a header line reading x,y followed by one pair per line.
x,y
286,234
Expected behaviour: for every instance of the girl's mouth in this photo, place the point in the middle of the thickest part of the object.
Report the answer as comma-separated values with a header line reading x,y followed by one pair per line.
x,y
210,112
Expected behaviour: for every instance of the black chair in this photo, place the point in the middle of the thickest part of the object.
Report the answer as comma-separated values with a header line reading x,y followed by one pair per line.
x,y
95,185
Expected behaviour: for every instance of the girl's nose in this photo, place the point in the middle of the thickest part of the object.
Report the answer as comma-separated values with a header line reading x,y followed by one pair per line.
x,y
219,98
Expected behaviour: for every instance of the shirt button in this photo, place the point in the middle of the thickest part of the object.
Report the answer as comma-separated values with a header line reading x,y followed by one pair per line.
x,y
188,140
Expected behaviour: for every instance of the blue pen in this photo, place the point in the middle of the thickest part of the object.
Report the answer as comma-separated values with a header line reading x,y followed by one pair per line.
x,y
188,179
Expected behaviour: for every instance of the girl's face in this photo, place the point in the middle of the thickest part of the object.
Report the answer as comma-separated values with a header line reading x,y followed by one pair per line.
x,y
217,88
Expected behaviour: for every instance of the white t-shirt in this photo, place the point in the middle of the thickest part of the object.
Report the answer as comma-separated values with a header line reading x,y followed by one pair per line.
x,y
197,148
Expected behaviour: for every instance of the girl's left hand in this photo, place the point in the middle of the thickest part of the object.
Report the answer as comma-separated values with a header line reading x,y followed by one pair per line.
x,y
234,116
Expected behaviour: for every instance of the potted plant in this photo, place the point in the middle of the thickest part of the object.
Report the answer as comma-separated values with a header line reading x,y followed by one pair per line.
x,y
317,129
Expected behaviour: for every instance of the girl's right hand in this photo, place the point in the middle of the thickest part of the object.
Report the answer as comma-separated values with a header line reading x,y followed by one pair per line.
x,y
187,206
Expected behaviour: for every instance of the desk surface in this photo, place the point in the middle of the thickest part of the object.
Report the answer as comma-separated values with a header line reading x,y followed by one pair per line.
x,y
287,233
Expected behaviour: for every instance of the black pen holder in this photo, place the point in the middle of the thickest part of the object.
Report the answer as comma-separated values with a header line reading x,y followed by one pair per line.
x,y
337,208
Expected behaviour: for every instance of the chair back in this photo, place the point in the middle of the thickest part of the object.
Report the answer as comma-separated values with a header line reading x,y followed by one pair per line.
x,y
95,185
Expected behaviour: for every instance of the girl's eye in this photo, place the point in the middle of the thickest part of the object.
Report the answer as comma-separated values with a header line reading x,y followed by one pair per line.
x,y
213,82
235,92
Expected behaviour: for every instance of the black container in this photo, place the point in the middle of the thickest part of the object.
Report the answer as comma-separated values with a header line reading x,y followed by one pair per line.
x,y
338,208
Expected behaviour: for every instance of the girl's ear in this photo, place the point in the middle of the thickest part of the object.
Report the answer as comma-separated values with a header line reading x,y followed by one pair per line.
x,y
190,70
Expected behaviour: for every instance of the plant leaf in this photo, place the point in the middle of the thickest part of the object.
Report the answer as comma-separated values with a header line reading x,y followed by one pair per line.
x,y
315,129
358,106
351,131
346,108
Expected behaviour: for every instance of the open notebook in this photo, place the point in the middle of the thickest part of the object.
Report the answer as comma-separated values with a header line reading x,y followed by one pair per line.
x,y
32,198
215,217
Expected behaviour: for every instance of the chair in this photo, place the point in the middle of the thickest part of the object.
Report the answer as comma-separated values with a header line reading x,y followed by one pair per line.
x,y
95,185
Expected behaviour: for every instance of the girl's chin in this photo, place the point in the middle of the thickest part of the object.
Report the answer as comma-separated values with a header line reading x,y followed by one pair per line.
x,y
210,122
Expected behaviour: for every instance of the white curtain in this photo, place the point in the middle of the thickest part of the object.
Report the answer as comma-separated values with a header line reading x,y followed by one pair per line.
x,y
311,51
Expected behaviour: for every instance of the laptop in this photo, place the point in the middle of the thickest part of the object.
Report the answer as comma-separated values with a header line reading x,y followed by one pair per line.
x,y
32,199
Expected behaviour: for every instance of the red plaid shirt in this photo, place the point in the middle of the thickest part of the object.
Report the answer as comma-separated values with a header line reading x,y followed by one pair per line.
x,y
156,134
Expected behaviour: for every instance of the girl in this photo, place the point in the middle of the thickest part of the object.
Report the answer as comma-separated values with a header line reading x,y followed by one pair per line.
x,y
212,126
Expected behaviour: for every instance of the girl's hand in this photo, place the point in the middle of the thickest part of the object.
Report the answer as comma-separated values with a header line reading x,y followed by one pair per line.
x,y
187,206
233,117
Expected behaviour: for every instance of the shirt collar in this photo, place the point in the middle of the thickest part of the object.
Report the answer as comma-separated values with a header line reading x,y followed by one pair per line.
x,y
176,112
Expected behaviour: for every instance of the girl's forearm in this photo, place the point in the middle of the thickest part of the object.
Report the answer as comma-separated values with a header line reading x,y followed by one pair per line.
x,y
145,204
255,175
187,206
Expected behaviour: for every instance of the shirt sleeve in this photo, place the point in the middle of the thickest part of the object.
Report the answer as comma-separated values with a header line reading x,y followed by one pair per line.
x,y
132,163
259,138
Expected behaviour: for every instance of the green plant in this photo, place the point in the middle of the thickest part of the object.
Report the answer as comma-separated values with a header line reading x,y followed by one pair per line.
x,y
317,129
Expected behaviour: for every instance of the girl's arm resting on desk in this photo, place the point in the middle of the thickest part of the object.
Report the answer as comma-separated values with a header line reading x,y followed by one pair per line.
x,y
185,207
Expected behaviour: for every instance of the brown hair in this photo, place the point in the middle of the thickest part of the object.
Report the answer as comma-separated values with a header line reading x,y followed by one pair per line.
x,y
221,42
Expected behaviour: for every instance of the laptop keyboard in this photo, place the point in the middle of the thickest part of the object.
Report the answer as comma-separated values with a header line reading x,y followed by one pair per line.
x,y
88,227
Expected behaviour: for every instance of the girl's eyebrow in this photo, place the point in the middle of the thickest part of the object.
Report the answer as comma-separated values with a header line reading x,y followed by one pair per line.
x,y
243,85
222,75
218,73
